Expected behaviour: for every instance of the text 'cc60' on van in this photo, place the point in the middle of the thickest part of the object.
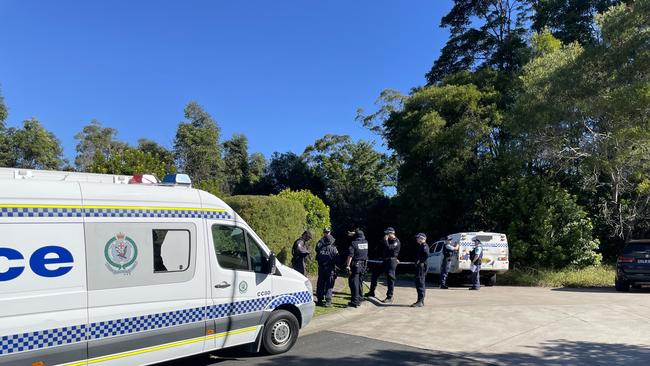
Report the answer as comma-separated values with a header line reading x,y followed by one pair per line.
x,y
94,270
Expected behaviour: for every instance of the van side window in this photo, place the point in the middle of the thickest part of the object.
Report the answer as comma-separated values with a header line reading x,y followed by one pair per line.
x,y
230,246
258,260
171,250
439,246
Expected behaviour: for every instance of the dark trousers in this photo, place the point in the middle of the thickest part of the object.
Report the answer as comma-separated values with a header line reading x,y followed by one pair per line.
x,y
444,272
420,280
355,281
476,277
299,265
388,267
325,284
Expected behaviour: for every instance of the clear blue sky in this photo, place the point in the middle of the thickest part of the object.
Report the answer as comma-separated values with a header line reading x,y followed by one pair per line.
x,y
282,72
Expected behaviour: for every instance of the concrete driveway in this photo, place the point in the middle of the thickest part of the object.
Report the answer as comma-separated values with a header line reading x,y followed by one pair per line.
x,y
510,325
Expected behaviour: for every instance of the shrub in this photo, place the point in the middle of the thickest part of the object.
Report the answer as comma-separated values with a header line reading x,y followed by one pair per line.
x,y
278,221
318,213
545,226
318,216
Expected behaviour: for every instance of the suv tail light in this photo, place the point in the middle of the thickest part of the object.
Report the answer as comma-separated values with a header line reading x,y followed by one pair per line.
x,y
503,259
624,259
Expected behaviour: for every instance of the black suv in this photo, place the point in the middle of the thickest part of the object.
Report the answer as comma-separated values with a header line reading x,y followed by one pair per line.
x,y
633,266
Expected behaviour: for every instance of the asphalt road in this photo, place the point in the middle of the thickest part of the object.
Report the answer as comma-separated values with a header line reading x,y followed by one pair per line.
x,y
333,348
495,326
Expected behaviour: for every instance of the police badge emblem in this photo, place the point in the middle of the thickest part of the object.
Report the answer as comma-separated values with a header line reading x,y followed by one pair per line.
x,y
121,254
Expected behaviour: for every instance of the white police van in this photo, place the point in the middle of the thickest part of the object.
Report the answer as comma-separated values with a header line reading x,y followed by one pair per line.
x,y
94,270
495,255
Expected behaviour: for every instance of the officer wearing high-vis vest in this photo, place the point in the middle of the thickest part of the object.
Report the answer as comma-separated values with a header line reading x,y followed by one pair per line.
x,y
392,247
421,266
476,257
356,266
447,253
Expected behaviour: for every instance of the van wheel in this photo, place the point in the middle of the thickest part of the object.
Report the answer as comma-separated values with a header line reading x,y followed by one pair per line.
x,y
280,332
432,278
622,286
491,281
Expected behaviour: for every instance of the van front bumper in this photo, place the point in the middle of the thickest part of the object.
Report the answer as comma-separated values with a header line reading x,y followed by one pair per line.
x,y
306,312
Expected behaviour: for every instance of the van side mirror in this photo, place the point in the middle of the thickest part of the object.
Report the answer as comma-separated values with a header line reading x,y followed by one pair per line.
x,y
271,267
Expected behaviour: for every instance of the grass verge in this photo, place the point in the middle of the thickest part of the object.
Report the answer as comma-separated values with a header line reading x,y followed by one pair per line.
x,y
339,301
593,276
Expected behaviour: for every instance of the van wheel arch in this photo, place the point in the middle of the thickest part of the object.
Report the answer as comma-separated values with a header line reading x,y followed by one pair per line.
x,y
293,309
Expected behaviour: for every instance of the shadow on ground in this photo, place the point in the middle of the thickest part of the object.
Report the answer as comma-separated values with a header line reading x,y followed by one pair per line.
x,y
331,348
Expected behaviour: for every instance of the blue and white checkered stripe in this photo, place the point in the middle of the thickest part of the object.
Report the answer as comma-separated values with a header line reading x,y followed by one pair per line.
x,y
110,212
486,245
112,328
40,212
42,339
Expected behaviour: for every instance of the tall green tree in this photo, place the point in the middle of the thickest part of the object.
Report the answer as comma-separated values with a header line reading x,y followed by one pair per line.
x,y
484,33
33,147
355,177
446,139
4,148
3,112
583,113
289,171
95,139
570,20
129,161
236,168
196,146
159,151
257,166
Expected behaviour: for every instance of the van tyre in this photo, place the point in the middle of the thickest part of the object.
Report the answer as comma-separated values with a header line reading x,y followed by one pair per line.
x,y
491,280
622,286
280,332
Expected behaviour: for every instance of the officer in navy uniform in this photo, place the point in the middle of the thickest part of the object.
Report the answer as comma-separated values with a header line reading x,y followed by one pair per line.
x,y
300,252
392,247
356,266
447,252
327,256
476,257
421,267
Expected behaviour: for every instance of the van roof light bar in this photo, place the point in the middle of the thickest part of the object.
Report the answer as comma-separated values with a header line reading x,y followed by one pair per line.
x,y
177,180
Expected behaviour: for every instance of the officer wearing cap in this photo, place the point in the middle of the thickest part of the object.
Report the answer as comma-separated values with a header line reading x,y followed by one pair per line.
x,y
392,247
327,256
447,252
421,267
300,252
476,258
356,265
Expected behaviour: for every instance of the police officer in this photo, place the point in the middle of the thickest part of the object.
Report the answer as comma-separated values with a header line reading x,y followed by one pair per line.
x,y
476,257
300,252
421,266
356,266
392,247
327,256
447,252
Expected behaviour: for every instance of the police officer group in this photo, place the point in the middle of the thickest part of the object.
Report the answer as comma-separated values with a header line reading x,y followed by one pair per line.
x,y
356,264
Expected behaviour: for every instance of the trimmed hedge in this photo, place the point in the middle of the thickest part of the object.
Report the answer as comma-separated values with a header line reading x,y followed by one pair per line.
x,y
318,214
278,221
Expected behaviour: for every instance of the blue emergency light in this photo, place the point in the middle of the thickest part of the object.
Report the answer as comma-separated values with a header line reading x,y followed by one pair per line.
x,y
177,179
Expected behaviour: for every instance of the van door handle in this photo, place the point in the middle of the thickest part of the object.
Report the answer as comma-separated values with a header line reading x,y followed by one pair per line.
x,y
223,284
